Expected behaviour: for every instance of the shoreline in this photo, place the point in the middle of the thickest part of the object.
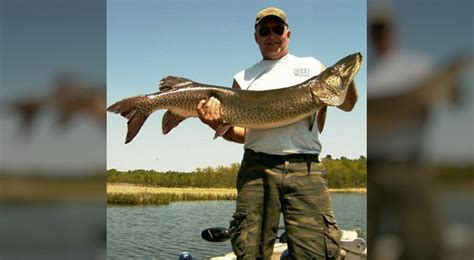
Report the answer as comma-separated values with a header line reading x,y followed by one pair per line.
x,y
25,189
134,188
131,194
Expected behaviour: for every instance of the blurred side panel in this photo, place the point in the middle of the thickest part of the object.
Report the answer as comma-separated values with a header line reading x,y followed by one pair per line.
x,y
420,129
52,129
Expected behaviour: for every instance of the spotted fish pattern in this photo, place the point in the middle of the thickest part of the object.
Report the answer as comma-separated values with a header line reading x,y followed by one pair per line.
x,y
242,108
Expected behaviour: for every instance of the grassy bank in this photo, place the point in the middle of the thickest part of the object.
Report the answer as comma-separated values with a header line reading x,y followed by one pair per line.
x,y
129,194
349,190
30,189
119,193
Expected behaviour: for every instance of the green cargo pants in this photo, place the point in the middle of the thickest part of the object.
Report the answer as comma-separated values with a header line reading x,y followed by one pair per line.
x,y
294,185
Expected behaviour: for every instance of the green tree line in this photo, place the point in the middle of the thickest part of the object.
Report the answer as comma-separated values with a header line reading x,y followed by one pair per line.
x,y
342,173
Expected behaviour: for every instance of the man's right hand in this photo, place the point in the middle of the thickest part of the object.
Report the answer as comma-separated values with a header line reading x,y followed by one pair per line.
x,y
210,112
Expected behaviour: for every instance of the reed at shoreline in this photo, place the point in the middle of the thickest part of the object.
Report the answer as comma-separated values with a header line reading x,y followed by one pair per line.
x,y
130,194
48,189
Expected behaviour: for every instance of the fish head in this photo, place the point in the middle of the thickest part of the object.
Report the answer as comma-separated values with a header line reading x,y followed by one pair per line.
x,y
335,80
344,71
347,68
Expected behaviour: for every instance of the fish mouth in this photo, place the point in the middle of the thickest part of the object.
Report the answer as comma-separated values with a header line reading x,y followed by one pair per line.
x,y
353,61
358,61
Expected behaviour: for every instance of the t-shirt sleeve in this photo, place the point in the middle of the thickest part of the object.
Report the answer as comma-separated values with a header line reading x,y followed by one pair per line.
x,y
239,76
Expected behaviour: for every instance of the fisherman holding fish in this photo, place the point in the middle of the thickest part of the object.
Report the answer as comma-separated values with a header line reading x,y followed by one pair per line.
x,y
277,108
280,171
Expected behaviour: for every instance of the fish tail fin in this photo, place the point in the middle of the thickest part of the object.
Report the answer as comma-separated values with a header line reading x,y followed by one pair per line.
x,y
28,110
128,109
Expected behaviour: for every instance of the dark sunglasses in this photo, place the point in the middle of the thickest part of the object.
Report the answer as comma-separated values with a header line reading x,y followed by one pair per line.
x,y
277,29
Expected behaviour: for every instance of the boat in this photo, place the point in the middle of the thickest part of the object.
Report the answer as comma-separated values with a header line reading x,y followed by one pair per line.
x,y
353,245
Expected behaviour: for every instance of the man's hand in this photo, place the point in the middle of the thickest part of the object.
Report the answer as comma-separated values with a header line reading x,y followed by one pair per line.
x,y
210,112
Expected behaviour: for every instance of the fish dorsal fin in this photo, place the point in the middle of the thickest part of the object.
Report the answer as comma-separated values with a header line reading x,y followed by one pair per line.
x,y
321,118
171,82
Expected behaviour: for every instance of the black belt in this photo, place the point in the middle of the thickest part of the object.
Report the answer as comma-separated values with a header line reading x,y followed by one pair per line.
x,y
292,158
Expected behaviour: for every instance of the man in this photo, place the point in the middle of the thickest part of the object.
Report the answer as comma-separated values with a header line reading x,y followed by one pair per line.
x,y
280,171
402,84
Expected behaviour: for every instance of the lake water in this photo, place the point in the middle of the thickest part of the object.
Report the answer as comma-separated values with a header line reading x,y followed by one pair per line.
x,y
52,230
163,232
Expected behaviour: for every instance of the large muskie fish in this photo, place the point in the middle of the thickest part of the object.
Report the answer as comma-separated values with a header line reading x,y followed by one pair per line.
x,y
243,108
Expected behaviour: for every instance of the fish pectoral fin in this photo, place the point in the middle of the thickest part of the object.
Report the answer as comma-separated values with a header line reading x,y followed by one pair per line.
x,y
330,96
171,82
170,121
321,118
350,99
343,97
221,130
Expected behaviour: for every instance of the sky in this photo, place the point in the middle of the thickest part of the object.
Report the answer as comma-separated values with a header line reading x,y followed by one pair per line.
x,y
208,42
40,40
443,32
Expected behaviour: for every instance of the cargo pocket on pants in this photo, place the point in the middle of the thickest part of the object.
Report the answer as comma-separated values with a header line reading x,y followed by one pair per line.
x,y
238,233
332,237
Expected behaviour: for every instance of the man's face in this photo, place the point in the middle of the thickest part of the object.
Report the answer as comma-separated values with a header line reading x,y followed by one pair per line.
x,y
272,46
382,37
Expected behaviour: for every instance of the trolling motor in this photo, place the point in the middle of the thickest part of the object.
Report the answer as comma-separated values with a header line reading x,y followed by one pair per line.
x,y
215,234
221,234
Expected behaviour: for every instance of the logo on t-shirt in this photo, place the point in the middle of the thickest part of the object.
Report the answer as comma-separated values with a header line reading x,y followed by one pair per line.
x,y
301,72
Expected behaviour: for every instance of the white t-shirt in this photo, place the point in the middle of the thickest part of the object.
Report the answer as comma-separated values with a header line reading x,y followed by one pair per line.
x,y
272,74
394,74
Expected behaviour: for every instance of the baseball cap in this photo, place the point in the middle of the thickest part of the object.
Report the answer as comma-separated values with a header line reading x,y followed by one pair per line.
x,y
271,11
